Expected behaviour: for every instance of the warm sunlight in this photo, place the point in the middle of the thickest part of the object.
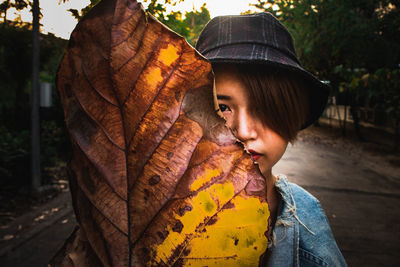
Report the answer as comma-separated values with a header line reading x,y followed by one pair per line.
x,y
56,19
217,7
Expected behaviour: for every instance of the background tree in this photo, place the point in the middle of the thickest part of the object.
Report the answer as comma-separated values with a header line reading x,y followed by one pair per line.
x,y
16,50
356,34
189,24
341,41
5,5
79,14
196,20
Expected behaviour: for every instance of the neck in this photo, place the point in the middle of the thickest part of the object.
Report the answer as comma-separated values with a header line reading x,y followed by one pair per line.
x,y
270,181
272,194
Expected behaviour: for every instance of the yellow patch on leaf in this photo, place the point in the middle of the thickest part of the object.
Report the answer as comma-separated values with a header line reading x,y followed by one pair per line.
x,y
217,234
168,55
236,239
202,180
154,76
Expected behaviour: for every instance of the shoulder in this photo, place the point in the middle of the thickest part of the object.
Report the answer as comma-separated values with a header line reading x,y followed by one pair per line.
x,y
307,206
303,196
316,241
310,213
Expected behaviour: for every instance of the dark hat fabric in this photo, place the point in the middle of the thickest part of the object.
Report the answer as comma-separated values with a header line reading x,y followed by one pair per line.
x,y
260,39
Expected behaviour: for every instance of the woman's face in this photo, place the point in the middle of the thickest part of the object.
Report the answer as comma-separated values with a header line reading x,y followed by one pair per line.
x,y
265,145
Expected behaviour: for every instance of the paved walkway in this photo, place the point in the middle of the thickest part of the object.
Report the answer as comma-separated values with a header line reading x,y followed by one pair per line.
x,y
36,236
362,206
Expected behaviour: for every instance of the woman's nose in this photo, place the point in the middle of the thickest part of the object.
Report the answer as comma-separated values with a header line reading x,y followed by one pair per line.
x,y
244,126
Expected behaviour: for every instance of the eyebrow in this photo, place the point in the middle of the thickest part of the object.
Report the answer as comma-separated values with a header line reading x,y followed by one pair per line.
x,y
224,97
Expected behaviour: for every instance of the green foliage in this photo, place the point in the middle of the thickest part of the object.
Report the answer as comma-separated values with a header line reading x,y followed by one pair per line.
x,y
15,70
329,33
189,27
384,85
14,155
15,151
79,14
53,141
15,73
353,44
196,20
16,66
17,4
51,52
379,90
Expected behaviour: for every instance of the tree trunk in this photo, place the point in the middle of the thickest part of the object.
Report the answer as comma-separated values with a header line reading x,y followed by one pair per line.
x,y
356,119
5,12
396,136
35,156
344,120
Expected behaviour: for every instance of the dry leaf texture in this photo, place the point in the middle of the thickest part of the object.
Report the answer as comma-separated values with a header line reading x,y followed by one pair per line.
x,y
156,177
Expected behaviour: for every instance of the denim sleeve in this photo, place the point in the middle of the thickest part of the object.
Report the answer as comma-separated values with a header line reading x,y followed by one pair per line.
x,y
317,246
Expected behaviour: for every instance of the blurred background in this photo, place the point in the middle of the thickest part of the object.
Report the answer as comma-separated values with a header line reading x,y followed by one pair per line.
x,y
349,159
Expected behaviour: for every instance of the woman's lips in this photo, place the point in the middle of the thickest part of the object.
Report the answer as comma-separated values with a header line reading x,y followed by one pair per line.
x,y
254,154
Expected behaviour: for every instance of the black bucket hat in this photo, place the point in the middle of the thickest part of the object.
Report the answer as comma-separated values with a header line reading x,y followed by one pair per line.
x,y
259,39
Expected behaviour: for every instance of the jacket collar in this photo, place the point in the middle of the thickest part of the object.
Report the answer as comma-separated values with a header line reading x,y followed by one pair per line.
x,y
286,230
287,204
287,207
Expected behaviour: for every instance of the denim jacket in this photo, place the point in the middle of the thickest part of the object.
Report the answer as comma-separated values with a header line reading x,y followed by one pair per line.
x,y
302,235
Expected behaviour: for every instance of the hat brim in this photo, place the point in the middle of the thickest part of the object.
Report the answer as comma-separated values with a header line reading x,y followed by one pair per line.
x,y
269,56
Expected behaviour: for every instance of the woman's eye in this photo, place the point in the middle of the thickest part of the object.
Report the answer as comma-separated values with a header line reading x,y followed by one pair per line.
x,y
224,107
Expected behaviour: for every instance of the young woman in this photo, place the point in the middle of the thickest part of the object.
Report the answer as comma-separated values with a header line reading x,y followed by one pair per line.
x,y
266,97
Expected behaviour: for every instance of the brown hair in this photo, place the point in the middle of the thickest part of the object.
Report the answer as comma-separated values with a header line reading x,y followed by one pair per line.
x,y
278,97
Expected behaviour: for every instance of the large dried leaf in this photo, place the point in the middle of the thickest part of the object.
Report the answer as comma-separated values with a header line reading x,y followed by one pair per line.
x,y
156,177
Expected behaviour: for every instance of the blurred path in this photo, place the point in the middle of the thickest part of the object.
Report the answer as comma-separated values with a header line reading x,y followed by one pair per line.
x,y
361,198
36,236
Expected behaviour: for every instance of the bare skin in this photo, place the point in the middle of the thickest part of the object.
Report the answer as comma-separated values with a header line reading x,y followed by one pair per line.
x,y
265,145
